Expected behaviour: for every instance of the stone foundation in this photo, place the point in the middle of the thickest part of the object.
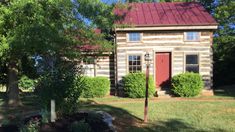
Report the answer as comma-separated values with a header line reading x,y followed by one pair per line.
x,y
207,92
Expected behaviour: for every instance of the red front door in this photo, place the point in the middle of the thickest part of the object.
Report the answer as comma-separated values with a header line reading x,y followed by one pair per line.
x,y
163,69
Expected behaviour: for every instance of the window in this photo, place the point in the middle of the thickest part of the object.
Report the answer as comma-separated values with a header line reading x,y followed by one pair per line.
x,y
134,62
192,36
134,37
192,64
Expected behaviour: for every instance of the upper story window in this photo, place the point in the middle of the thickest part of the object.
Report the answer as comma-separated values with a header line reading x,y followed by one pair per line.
x,y
134,37
192,36
192,63
134,63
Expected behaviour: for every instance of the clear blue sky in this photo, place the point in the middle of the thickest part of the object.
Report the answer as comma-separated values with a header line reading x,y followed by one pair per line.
x,y
109,1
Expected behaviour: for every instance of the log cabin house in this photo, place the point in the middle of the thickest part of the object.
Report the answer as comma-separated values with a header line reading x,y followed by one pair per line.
x,y
177,35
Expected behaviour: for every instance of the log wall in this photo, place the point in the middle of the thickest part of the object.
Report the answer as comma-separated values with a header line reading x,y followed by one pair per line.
x,y
166,41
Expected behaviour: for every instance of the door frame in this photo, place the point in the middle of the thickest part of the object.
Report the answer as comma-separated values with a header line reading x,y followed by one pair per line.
x,y
155,59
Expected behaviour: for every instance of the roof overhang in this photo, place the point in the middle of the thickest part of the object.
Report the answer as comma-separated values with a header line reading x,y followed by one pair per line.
x,y
178,27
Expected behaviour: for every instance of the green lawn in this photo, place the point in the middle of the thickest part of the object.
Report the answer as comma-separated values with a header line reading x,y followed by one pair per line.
x,y
209,114
168,114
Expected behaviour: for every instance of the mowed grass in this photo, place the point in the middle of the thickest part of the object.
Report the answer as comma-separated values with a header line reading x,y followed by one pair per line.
x,y
200,114
169,114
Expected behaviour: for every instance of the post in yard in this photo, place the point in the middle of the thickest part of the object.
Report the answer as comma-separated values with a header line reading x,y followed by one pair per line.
x,y
53,113
147,60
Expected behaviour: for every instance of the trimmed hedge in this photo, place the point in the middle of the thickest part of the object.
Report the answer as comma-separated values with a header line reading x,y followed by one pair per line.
x,y
91,87
135,85
188,84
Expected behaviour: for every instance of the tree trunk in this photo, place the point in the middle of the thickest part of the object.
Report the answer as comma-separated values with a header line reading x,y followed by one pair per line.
x,y
13,89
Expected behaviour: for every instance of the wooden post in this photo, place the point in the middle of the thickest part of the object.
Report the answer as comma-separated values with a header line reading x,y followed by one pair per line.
x,y
146,94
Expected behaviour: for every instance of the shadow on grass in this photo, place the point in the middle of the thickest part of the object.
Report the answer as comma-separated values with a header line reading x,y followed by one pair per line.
x,y
225,91
12,115
27,98
124,121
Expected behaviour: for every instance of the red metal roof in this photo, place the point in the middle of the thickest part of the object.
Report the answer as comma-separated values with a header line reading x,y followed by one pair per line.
x,y
165,14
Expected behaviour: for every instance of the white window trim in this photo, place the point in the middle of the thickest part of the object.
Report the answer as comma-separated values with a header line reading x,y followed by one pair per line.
x,y
199,62
127,61
185,37
141,38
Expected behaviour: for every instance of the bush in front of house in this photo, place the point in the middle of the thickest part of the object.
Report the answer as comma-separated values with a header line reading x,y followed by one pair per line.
x,y
26,83
90,87
187,84
135,85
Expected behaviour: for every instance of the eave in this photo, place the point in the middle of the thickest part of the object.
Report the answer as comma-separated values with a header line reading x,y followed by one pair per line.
x,y
168,27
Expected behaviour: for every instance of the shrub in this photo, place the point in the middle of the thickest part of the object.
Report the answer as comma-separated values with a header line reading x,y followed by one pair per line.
x,y
187,84
90,87
135,85
26,83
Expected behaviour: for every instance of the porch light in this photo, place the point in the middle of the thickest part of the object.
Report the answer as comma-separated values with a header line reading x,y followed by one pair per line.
x,y
147,59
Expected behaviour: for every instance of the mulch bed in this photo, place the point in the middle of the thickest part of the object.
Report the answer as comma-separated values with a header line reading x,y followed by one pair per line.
x,y
62,124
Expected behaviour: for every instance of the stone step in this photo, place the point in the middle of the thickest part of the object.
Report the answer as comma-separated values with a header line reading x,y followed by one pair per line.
x,y
163,93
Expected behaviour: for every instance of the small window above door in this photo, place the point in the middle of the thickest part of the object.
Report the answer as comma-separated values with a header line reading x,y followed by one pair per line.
x,y
192,36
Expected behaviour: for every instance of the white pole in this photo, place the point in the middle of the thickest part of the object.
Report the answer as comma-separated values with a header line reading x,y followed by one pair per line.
x,y
53,113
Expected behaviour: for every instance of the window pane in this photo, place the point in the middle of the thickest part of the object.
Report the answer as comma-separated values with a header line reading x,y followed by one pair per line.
x,y
134,36
134,63
130,69
139,68
192,36
192,68
191,59
134,58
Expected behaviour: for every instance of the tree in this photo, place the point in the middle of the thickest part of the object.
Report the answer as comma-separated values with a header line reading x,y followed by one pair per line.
x,y
48,28
224,47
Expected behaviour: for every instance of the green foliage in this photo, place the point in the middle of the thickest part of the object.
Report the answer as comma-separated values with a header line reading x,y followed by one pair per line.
x,y
51,28
90,87
32,126
80,126
187,84
28,68
224,47
26,83
56,86
3,72
135,85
